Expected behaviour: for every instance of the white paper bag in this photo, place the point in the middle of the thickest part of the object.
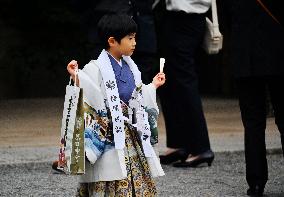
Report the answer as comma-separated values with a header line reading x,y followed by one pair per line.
x,y
72,152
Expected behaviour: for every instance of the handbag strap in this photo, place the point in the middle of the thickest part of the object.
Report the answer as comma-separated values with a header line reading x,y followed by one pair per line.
x,y
214,13
216,31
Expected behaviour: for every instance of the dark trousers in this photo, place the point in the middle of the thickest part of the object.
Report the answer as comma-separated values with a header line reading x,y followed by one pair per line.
x,y
252,100
145,62
181,103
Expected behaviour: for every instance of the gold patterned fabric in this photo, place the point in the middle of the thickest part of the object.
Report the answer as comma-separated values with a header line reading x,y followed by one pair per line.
x,y
138,182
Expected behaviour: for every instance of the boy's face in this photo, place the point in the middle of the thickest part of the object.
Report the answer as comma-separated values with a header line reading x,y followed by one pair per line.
x,y
127,45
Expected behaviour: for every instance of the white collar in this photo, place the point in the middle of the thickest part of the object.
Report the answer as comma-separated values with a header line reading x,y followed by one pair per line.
x,y
119,62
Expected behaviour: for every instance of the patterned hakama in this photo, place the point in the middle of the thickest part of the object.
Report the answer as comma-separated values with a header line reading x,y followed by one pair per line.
x,y
139,181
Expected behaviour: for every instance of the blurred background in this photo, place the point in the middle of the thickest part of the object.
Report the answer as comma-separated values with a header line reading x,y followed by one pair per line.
x,y
39,37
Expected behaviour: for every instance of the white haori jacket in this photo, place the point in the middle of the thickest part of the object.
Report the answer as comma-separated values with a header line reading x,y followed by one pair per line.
x,y
111,165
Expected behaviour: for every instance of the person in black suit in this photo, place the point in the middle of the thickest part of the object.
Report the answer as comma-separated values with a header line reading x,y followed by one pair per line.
x,y
183,27
257,57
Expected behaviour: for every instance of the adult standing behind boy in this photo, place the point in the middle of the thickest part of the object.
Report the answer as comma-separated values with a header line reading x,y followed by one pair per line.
x,y
257,57
186,128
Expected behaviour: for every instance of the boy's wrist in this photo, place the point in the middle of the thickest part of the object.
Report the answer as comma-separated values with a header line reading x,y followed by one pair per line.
x,y
154,85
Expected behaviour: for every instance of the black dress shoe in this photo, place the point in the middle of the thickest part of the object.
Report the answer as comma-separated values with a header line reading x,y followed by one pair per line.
x,y
206,157
255,191
179,154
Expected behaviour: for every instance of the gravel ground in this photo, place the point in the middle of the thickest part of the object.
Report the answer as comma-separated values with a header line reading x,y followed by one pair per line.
x,y
224,178
30,129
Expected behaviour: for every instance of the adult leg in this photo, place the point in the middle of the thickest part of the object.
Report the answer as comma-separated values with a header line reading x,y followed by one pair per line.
x,y
252,101
145,62
145,54
185,123
275,85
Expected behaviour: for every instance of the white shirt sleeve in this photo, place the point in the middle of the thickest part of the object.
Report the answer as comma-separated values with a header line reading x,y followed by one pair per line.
x,y
189,6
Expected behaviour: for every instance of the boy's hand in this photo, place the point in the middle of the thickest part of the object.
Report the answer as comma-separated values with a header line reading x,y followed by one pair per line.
x,y
72,69
159,80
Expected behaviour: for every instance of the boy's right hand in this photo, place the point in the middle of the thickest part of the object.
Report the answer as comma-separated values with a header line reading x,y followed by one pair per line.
x,y
72,68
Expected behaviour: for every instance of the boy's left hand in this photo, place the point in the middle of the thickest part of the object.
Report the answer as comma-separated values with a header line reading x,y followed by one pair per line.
x,y
159,80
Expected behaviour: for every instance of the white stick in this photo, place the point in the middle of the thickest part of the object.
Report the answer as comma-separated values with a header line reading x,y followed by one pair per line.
x,y
162,62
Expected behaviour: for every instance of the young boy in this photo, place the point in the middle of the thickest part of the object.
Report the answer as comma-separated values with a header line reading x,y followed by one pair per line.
x,y
121,124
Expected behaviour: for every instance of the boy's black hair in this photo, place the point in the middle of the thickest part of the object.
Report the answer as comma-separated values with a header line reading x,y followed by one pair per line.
x,y
115,25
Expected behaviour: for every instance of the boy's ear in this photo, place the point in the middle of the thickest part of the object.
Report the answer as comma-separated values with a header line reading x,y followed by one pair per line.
x,y
111,41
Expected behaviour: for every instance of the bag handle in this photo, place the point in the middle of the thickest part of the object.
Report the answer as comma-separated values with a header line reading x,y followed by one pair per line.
x,y
75,79
216,31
